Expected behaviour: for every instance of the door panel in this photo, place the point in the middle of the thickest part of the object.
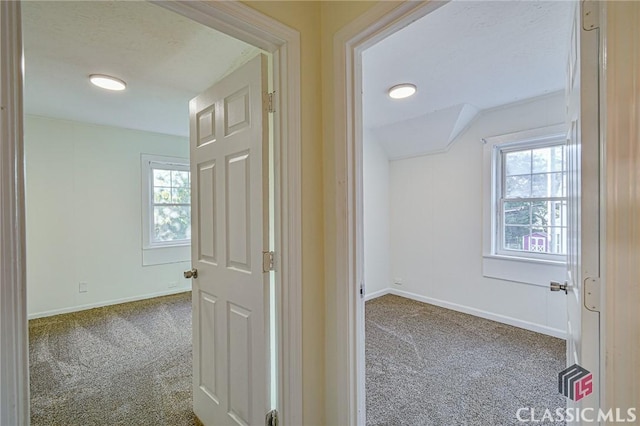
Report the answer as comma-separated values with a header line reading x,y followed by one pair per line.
x,y
207,360
238,228
239,353
236,109
206,213
206,130
229,149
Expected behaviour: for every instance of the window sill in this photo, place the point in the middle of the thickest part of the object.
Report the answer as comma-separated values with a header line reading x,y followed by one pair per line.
x,y
168,245
538,272
525,259
160,255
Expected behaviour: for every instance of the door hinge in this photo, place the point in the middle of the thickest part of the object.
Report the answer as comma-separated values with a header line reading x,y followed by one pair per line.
x,y
362,289
268,261
272,418
271,101
592,294
590,15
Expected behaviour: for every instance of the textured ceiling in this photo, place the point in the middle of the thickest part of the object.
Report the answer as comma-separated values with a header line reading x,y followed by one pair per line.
x,y
165,59
480,53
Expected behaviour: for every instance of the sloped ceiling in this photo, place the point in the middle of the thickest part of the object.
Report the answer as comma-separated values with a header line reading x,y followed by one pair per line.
x,y
439,128
465,57
165,59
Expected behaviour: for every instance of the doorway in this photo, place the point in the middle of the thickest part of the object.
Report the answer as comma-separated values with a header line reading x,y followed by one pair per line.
x,y
355,40
433,147
118,158
121,157
267,34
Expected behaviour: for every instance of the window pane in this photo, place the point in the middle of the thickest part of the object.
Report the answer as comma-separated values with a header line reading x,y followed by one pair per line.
x,y
180,179
547,185
536,241
557,158
517,163
559,216
162,195
516,213
541,161
538,229
161,177
540,185
181,195
514,237
517,187
557,238
558,184
540,213
172,223
549,159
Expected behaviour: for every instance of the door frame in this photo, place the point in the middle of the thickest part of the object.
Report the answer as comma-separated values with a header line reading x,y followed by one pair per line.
x,y
347,375
236,20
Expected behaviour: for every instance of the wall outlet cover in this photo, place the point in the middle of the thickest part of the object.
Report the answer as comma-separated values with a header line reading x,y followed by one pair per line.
x,y
397,281
173,284
83,287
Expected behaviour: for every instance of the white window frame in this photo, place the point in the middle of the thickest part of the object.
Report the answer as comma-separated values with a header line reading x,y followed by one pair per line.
x,y
155,253
499,149
517,269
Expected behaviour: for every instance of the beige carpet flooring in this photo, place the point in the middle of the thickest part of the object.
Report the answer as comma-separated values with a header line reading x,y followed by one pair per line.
x,y
130,364
432,366
127,364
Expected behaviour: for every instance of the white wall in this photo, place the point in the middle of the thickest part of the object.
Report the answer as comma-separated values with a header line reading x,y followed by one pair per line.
x,y
83,193
377,244
436,226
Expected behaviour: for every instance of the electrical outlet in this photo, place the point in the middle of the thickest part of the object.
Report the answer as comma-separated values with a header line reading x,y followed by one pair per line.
x,y
397,281
83,287
173,284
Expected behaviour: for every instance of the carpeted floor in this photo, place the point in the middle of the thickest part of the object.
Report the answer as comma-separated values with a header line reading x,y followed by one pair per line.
x,y
432,366
130,364
127,364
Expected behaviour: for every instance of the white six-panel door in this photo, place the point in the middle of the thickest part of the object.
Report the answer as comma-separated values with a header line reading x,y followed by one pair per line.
x,y
229,172
583,256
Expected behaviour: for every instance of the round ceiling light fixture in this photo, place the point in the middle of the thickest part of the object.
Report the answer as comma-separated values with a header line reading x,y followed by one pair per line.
x,y
107,82
401,91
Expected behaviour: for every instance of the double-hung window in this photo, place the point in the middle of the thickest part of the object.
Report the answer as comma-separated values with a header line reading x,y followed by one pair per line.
x,y
530,197
167,201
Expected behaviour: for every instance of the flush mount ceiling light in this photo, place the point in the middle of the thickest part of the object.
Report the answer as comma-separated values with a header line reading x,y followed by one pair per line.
x,y
401,91
107,82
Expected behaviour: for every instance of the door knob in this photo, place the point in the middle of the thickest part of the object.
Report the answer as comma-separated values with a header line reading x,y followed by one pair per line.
x,y
555,286
191,274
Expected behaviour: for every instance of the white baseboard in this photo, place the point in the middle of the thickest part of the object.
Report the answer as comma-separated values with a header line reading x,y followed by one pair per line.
x,y
106,303
549,331
377,294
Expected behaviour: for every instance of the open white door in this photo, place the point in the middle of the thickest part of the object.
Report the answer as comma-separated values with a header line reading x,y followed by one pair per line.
x,y
229,172
583,248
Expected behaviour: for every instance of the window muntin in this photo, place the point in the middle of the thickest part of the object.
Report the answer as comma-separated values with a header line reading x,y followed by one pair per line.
x,y
531,211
